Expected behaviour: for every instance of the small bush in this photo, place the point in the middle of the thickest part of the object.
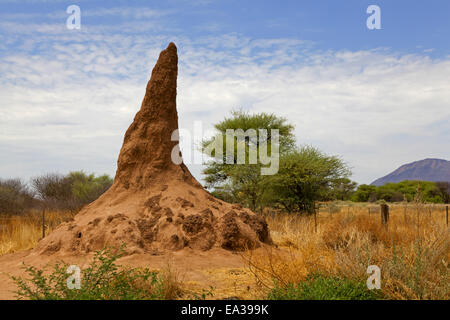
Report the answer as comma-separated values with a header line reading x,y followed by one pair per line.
x,y
72,191
101,280
318,287
15,197
55,190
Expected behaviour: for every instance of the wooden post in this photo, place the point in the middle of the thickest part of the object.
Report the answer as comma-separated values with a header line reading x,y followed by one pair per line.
x,y
315,219
368,210
405,216
43,222
446,215
384,214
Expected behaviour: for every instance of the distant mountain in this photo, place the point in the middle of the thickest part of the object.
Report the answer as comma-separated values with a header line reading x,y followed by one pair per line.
x,y
426,170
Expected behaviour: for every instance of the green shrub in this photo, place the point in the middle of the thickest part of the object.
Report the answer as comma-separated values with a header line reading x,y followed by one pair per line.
x,y
101,280
364,193
395,192
318,287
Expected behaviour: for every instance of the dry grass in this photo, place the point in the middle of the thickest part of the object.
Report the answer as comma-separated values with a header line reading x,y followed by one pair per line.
x,y
23,232
172,286
413,252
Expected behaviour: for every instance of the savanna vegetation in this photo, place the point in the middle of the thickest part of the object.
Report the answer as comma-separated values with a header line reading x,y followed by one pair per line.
x,y
60,196
323,256
328,257
432,192
51,191
306,174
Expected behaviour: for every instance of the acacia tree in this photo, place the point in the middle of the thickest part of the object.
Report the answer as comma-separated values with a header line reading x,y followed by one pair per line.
x,y
305,176
244,183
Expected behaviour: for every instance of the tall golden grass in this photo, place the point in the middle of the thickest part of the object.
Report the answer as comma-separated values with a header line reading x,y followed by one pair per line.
x,y
413,251
23,232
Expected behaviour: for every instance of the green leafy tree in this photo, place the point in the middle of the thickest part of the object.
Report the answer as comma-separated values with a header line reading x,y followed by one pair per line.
x,y
395,192
243,182
342,189
87,188
364,193
305,176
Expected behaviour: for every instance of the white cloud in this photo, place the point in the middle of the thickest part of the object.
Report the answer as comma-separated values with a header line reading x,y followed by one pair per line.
x,y
67,100
126,12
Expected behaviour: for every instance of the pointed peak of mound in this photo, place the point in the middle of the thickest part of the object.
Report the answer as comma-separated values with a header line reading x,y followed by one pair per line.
x,y
147,147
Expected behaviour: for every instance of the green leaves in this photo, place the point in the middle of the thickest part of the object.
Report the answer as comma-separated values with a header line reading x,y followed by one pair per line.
x,y
87,188
103,279
319,287
395,192
243,182
305,176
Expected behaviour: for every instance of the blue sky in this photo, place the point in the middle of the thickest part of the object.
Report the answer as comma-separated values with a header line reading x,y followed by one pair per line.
x,y
407,26
378,98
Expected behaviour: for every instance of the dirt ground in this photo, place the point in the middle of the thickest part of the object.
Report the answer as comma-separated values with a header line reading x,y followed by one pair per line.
x,y
224,270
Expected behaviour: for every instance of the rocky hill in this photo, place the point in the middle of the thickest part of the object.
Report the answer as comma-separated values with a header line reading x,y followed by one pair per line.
x,y
426,170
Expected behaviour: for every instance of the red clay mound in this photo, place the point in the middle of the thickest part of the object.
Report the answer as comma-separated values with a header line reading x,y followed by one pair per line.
x,y
155,205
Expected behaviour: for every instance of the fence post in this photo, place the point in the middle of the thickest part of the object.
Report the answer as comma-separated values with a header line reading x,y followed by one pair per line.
x,y
315,218
384,214
43,222
446,215
405,216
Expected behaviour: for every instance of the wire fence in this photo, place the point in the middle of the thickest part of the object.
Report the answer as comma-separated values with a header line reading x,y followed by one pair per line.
x,y
326,210
46,221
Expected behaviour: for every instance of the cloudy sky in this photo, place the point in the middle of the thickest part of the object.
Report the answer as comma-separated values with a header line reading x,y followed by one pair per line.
x,y
377,98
